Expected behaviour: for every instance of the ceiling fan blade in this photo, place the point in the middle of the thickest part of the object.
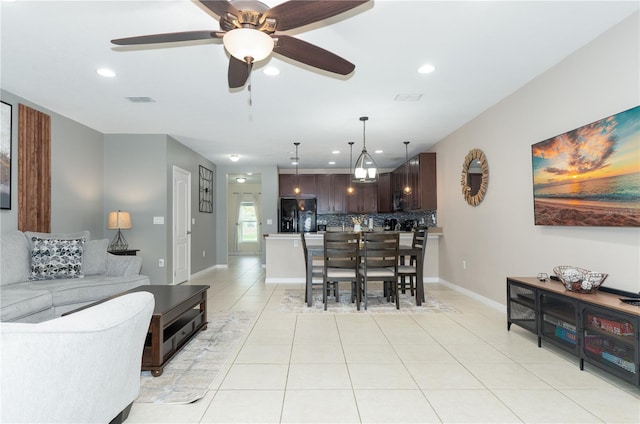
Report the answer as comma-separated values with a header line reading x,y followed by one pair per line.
x,y
220,7
312,55
238,72
296,13
170,37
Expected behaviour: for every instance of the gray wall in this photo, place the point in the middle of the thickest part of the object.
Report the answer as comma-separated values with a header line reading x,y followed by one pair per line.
x,y
139,179
269,176
135,181
498,238
76,174
93,174
203,231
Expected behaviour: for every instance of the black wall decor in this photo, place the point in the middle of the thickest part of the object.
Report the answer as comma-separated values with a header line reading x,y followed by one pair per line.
x,y
206,190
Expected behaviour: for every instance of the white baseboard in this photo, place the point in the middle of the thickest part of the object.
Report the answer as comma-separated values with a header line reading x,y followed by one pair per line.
x,y
207,270
289,280
491,303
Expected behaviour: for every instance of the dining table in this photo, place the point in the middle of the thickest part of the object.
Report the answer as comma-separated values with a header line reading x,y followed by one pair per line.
x,y
317,252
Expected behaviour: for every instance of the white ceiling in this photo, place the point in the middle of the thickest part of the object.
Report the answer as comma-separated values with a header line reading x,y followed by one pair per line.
x,y
483,51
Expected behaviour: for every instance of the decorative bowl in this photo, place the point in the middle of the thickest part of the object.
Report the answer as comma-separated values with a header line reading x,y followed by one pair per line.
x,y
579,280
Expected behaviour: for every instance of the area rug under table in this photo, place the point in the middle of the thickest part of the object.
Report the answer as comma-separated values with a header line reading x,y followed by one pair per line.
x,y
293,301
190,373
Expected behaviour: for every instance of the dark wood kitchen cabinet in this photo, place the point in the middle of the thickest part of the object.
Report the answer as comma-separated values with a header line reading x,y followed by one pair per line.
x,y
385,193
331,193
287,182
364,199
420,174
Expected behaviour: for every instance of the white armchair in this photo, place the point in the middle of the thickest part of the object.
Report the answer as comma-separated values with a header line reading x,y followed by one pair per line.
x,y
80,368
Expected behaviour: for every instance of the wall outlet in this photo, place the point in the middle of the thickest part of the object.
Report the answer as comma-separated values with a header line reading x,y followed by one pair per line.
x,y
269,221
464,264
295,243
161,263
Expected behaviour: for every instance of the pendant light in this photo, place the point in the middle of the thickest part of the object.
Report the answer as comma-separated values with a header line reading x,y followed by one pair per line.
x,y
407,187
296,188
350,189
365,170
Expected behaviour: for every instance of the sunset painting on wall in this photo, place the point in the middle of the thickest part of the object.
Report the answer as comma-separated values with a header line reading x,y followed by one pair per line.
x,y
590,176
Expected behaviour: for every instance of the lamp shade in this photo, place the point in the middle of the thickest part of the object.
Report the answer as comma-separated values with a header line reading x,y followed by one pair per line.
x,y
119,220
243,43
365,170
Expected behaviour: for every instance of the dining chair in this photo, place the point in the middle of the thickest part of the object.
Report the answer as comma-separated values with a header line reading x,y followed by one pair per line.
x,y
341,259
316,268
409,271
379,262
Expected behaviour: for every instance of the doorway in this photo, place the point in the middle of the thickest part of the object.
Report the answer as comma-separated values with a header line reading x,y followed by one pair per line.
x,y
181,226
244,208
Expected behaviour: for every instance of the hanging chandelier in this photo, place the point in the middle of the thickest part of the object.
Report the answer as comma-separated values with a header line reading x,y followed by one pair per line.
x,y
296,188
365,170
407,187
350,189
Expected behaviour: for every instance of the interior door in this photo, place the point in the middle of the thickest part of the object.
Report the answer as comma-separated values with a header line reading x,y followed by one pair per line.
x,y
181,225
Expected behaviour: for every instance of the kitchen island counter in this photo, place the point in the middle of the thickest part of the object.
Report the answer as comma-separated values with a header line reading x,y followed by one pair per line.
x,y
285,258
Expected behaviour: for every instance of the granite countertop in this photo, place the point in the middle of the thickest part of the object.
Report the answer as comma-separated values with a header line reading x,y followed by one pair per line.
x,y
433,231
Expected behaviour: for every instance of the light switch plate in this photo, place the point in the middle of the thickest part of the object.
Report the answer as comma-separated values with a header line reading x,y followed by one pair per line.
x,y
158,220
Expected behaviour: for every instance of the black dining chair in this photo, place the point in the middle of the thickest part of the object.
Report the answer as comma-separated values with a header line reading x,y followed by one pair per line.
x,y
341,259
316,269
409,271
379,262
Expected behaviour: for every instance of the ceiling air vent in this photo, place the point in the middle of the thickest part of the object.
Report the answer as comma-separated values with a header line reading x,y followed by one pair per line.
x,y
408,97
140,99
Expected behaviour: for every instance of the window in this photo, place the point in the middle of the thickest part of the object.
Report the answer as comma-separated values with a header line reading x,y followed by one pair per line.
x,y
247,223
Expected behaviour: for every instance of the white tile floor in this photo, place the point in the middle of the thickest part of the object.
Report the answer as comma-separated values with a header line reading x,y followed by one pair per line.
x,y
386,368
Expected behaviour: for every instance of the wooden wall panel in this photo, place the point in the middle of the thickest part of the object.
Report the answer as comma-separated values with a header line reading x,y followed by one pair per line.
x,y
34,170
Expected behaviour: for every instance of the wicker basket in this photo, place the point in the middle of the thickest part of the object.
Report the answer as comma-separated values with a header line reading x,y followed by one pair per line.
x,y
580,280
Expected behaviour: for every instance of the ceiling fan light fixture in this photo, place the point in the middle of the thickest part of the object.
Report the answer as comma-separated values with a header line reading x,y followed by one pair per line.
x,y
247,44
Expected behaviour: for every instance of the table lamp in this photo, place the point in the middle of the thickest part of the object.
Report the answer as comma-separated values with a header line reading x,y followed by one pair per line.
x,y
117,221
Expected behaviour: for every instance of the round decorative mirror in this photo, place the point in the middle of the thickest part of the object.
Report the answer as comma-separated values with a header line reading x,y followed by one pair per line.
x,y
475,177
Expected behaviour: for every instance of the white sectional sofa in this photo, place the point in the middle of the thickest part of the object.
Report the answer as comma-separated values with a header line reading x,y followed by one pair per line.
x,y
80,368
43,275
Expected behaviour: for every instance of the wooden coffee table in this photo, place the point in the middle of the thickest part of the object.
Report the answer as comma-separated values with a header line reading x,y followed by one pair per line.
x,y
179,314
174,322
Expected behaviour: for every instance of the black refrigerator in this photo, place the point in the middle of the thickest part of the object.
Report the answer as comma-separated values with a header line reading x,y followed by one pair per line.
x,y
297,215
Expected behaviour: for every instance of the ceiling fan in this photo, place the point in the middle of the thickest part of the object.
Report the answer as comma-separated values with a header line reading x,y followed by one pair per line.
x,y
248,31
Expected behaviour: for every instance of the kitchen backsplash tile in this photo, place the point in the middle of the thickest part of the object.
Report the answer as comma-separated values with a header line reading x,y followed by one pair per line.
x,y
336,220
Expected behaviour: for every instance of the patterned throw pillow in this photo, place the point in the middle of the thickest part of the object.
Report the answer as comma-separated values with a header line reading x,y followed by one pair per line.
x,y
56,259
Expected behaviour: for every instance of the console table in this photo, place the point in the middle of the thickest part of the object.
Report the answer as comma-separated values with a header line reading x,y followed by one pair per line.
x,y
598,328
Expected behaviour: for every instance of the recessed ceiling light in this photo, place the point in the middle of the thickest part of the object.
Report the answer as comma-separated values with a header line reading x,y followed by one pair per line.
x,y
249,173
241,179
272,71
332,163
234,158
378,151
107,73
426,69
336,152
